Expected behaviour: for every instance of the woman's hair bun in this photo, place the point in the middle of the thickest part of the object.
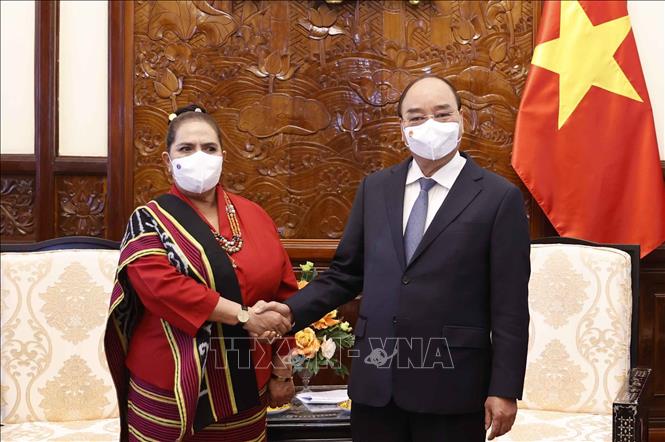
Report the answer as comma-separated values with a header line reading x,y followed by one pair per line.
x,y
188,108
192,112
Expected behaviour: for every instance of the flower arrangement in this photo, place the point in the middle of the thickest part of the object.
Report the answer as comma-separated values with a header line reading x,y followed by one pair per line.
x,y
317,345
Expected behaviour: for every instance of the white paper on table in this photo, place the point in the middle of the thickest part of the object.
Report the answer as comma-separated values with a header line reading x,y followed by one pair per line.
x,y
323,397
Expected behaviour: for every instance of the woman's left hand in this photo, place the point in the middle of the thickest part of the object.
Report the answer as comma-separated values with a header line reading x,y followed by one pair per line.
x,y
280,392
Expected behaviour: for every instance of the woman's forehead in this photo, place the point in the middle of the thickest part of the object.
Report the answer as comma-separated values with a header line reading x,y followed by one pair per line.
x,y
195,131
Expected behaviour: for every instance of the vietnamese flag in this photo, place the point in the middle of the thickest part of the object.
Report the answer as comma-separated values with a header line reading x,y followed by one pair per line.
x,y
585,144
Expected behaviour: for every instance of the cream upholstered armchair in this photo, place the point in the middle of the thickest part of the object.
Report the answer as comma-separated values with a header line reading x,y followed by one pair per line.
x,y
55,383
581,383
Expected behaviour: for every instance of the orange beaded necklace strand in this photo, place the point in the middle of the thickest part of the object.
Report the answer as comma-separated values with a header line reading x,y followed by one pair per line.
x,y
234,244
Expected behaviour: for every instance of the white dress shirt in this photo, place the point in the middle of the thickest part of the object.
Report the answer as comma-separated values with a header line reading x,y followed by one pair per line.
x,y
444,177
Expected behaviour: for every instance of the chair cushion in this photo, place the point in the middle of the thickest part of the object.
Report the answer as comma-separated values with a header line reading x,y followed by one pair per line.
x,y
580,302
54,307
540,426
95,430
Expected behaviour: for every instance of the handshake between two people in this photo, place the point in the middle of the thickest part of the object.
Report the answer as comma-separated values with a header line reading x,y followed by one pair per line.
x,y
269,320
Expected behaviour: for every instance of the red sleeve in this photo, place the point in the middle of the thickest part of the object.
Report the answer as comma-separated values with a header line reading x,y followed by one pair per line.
x,y
169,294
287,288
289,285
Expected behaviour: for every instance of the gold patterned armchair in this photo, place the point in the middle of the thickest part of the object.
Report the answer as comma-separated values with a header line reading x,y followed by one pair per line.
x,y
55,383
581,383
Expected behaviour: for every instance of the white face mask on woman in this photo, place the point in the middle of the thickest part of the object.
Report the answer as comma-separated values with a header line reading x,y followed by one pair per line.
x,y
432,140
198,172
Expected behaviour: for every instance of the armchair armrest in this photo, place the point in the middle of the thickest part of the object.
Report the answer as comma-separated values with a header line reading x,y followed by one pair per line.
x,y
629,420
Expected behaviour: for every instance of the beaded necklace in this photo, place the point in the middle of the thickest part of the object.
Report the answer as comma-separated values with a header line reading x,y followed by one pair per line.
x,y
234,244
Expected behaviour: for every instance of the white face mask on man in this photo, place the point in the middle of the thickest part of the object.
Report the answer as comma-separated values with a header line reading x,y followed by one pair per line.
x,y
432,140
198,172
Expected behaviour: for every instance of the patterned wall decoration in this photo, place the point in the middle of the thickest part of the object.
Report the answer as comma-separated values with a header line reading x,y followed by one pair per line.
x,y
80,205
17,198
305,92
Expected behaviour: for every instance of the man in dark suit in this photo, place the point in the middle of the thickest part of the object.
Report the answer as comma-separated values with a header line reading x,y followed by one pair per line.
x,y
439,248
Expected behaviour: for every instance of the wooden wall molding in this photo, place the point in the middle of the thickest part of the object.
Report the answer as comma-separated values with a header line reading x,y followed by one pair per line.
x,y
46,111
80,166
17,164
120,167
317,250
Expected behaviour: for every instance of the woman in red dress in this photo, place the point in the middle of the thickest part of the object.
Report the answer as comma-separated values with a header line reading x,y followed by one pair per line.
x,y
192,264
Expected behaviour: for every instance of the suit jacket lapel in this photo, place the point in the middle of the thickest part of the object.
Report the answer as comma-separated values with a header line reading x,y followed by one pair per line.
x,y
394,196
465,189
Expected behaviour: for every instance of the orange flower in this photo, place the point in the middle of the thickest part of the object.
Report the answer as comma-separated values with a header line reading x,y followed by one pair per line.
x,y
307,343
302,283
327,321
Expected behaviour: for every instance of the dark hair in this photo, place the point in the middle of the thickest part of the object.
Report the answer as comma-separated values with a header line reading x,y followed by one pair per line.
x,y
189,113
458,100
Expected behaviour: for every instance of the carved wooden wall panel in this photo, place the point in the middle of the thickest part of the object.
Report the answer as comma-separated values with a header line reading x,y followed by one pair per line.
x,y
651,346
305,92
17,200
81,202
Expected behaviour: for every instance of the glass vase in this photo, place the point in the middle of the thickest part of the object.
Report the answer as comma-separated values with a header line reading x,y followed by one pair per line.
x,y
305,376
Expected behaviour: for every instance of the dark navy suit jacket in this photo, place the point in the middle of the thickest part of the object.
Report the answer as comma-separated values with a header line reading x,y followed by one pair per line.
x,y
448,329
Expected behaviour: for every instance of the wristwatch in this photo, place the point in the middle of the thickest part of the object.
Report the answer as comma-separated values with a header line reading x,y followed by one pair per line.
x,y
243,315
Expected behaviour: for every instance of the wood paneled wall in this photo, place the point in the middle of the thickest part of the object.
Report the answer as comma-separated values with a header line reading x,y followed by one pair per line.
x,y
305,94
45,195
651,343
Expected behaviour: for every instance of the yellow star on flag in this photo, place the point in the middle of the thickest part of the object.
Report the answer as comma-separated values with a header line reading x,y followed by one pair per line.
x,y
583,56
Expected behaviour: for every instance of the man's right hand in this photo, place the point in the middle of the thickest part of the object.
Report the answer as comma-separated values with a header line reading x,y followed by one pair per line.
x,y
272,308
275,306
265,318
